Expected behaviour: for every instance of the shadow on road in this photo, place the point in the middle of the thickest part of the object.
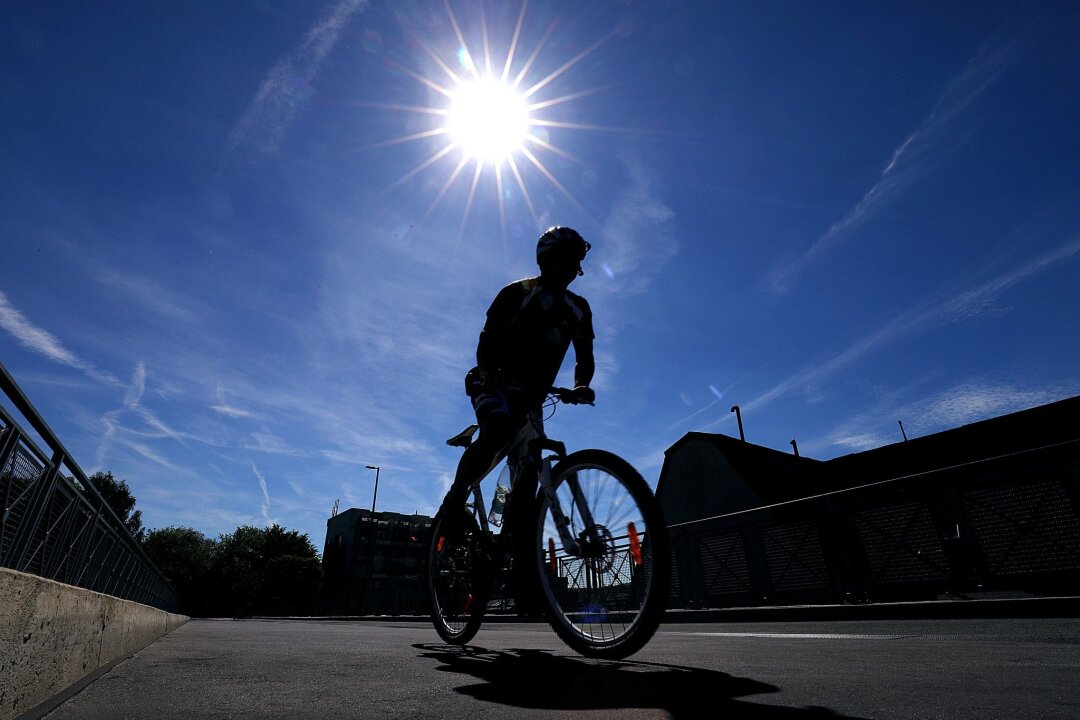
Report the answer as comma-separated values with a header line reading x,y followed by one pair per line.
x,y
539,679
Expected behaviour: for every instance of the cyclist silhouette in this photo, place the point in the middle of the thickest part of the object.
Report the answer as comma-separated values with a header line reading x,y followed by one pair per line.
x,y
530,325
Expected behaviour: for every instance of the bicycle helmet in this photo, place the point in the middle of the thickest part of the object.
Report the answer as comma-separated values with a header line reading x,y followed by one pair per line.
x,y
562,241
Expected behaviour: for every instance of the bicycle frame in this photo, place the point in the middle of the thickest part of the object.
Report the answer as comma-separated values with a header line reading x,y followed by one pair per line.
x,y
524,452
600,593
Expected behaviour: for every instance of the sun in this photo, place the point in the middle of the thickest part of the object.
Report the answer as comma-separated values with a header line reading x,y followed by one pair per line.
x,y
492,120
488,120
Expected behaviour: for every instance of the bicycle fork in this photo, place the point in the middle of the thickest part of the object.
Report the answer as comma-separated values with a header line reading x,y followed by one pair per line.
x,y
562,522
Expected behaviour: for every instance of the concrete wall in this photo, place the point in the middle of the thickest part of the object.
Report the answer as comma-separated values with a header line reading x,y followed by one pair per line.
x,y
52,635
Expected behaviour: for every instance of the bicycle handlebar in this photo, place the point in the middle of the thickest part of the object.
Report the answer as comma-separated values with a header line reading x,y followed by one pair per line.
x,y
572,396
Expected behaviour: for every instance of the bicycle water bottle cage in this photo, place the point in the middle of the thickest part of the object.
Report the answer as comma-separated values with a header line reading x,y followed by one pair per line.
x,y
540,444
463,438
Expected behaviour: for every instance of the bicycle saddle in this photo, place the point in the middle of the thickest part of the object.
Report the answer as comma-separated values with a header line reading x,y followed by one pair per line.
x,y
463,438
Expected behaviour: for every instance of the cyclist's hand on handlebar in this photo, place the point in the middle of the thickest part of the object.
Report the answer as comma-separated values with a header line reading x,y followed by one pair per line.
x,y
581,395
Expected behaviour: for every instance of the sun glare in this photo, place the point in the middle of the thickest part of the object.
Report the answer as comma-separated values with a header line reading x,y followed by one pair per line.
x,y
492,119
488,120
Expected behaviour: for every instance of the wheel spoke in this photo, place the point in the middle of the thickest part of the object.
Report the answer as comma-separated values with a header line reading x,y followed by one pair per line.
x,y
598,599
455,584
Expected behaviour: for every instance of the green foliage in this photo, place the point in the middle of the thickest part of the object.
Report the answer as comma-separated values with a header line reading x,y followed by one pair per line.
x,y
251,571
269,571
118,496
186,558
179,552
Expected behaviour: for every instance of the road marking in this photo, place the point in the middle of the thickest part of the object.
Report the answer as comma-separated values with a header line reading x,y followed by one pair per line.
x,y
795,636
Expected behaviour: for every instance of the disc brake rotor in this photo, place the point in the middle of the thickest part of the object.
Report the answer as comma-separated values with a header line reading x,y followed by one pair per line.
x,y
598,548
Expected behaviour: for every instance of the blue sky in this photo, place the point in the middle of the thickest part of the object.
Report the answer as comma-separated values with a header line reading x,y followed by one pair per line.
x,y
240,263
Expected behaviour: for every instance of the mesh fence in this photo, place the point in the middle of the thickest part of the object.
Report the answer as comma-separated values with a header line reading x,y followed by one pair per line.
x,y
1007,524
54,527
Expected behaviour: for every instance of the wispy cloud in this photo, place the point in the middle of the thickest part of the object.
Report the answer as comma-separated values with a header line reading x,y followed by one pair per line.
x,y
150,454
637,238
973,401
149,295
976,301
133,403
857,442
934,311
133,425
959,404
228,410
718,396
41,341
267,442
288,85
412,325
232,412
266,494
638,235
912,158
137,388
162,429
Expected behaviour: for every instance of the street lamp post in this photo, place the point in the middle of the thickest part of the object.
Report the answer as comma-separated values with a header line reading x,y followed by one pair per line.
x,y
376,493
738,415
369,595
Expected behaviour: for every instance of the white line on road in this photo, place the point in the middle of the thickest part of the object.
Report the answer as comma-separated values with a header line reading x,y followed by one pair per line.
x,y
795,636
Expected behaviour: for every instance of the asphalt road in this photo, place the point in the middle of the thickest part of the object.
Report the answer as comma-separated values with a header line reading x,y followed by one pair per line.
x,y
954,669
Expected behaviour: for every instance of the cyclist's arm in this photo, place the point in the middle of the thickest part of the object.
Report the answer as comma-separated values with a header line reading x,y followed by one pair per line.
x,y
584,366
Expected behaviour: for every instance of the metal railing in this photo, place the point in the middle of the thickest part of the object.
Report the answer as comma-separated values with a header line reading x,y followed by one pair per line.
x,y
1009,524
56,524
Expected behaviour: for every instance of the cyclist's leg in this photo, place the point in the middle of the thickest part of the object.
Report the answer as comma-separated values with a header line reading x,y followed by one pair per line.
x,y
497,428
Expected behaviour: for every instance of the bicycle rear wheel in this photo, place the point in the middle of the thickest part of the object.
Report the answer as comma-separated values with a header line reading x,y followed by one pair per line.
x,y
458,574
607,601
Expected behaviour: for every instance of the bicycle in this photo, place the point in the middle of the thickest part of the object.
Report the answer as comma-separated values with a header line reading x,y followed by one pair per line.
x,y
582,531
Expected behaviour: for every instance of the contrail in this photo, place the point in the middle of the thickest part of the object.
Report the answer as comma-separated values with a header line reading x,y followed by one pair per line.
x,y
266,494
43,342
263,124
912,156
957,306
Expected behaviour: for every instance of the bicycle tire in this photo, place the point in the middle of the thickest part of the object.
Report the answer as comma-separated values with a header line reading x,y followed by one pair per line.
x,y
609,603
458,582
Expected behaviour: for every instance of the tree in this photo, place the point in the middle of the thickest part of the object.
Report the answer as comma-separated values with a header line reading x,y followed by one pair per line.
x,y
251,571
239,564
186,558
269,571
118,496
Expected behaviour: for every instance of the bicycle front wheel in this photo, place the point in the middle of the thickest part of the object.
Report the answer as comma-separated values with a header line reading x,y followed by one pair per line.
x,y
606,600
458,577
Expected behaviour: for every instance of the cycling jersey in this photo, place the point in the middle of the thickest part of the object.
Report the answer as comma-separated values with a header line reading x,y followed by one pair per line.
x,y
528,331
